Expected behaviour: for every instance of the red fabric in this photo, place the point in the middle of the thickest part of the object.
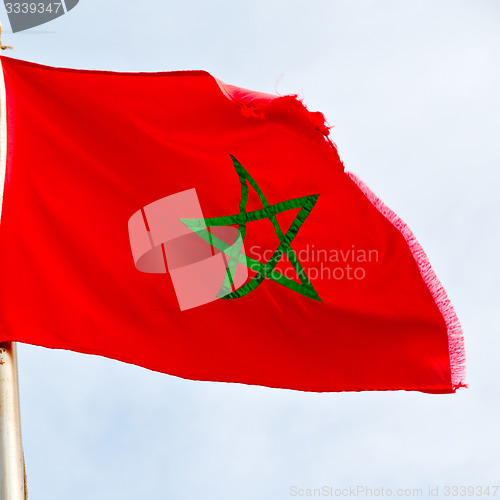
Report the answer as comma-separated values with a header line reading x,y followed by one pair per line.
x,y
88,149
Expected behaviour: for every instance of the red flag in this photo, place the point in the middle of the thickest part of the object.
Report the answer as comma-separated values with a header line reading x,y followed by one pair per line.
x,y
209,232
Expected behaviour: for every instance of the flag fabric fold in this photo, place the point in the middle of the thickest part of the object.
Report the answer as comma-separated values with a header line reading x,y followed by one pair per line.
x,y
206,231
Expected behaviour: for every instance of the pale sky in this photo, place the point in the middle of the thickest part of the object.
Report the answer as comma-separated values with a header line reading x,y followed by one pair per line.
x,y
412,91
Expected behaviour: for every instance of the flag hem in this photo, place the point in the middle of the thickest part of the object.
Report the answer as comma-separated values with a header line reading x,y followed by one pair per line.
x,y
191,72
3,136
456,346
241,381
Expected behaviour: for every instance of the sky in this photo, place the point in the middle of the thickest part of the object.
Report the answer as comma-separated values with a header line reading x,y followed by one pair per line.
x,y
411,89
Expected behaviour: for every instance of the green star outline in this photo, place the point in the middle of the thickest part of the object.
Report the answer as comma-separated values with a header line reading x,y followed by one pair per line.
x,y
268,211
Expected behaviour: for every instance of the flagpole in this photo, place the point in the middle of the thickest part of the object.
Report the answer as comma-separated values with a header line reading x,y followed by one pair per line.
x,y
12,470
12,478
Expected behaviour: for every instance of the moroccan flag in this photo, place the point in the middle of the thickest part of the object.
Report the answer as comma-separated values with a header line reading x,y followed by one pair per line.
x,y
209,232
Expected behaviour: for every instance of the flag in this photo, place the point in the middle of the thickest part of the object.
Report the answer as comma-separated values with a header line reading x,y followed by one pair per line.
x,y
210,232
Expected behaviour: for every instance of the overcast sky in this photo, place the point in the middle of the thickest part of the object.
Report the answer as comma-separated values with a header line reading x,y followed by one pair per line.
x,y
412,89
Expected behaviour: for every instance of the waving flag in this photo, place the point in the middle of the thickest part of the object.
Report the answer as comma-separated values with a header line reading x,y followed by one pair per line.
x,y
209,232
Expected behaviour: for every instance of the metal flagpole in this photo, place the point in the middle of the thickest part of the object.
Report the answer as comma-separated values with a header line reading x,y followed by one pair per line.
x,y
12,471
12,478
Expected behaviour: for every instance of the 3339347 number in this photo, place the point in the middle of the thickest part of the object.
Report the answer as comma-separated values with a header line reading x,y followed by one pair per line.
x,y
471,491
33,8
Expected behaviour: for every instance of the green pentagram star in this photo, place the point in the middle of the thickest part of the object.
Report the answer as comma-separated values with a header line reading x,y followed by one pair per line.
x,y
234,251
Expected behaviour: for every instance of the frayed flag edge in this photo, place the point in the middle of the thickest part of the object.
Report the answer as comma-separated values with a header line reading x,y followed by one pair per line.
x,y
456,347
